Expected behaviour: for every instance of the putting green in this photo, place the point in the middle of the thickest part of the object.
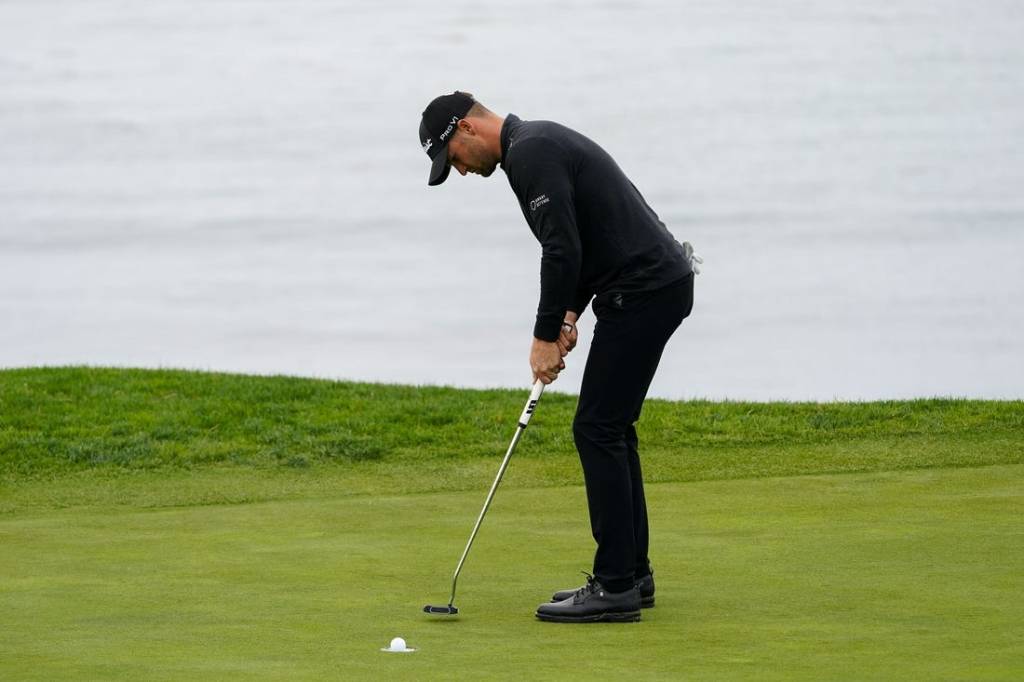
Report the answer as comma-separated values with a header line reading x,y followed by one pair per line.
x,y
905,575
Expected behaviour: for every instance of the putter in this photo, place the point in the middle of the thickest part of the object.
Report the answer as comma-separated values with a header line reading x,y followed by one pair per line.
x,y
524,419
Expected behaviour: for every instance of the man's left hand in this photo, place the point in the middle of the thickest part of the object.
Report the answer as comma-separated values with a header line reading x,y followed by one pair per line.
x,y
567,338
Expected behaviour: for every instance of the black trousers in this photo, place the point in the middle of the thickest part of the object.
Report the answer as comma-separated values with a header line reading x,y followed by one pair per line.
x,y
629,338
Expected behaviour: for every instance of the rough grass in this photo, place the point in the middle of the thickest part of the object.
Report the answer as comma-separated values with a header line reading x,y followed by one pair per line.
x,y
79,435
63,420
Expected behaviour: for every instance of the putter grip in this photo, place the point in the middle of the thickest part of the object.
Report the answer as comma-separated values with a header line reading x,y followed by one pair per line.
x,y
538,389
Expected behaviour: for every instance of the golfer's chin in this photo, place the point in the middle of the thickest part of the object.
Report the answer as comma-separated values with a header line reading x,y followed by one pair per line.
x,y
486,172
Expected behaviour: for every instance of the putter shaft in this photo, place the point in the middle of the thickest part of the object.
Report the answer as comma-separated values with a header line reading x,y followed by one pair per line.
x,y
524,419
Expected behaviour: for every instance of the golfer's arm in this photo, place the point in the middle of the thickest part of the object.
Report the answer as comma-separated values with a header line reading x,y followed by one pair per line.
x,y
581,301
559,272
541,176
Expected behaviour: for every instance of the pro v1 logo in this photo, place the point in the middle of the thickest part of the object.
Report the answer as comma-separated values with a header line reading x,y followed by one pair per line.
x,y
450,128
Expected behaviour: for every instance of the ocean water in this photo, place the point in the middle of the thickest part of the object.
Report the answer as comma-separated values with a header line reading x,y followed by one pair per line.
x,y
236,185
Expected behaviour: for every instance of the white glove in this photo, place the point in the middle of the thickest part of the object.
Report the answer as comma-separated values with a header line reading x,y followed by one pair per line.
x,y
695,260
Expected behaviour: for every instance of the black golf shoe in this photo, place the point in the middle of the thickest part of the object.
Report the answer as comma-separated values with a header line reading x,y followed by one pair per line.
x,y
592,603
646,585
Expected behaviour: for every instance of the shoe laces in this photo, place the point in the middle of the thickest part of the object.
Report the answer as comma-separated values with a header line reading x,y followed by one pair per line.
x,y
588,589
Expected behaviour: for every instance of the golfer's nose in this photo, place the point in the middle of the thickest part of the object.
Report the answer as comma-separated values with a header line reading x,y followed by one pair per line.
x,y
461,168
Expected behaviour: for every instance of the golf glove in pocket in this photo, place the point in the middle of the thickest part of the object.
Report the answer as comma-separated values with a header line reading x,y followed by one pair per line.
x,y
694,260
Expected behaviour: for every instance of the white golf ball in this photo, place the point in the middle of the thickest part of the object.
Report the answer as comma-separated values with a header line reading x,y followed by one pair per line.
x,y
398,643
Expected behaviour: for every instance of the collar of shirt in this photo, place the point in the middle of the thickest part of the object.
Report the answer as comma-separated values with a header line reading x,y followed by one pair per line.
x,y
508,129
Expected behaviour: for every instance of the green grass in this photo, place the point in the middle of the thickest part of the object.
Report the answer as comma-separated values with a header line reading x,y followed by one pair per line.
x,y
175,525
79,436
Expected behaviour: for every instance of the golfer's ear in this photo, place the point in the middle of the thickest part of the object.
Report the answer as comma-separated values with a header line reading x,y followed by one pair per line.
x,y
466,127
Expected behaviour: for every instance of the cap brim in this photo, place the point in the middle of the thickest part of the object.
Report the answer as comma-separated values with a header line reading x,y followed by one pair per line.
x,y
439,168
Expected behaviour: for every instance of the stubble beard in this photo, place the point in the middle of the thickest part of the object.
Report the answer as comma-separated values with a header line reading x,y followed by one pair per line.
x,y
484,165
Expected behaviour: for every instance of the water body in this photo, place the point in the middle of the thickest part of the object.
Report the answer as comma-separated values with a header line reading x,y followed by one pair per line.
x,y
237,186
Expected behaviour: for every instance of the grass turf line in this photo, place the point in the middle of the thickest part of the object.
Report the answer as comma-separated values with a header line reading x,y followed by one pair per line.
x,y
75,436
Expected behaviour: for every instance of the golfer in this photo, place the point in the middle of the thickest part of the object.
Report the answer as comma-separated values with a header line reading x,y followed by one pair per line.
x,y
600,241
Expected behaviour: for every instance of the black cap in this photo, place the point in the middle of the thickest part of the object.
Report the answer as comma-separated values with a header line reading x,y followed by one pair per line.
x,y
437,127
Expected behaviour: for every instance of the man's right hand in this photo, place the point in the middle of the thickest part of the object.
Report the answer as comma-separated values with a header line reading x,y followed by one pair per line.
x,y
545,360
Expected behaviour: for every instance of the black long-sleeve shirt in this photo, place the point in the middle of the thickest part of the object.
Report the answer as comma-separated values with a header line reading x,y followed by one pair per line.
x,y
598,236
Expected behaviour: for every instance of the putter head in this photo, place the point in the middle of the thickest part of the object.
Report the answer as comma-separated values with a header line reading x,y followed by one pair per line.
x,y
448,610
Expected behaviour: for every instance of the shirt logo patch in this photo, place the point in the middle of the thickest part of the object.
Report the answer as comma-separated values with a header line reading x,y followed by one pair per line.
x,y
538,202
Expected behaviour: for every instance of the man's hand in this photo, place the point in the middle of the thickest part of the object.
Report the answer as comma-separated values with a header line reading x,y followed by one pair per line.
x,y
545,360
568,336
